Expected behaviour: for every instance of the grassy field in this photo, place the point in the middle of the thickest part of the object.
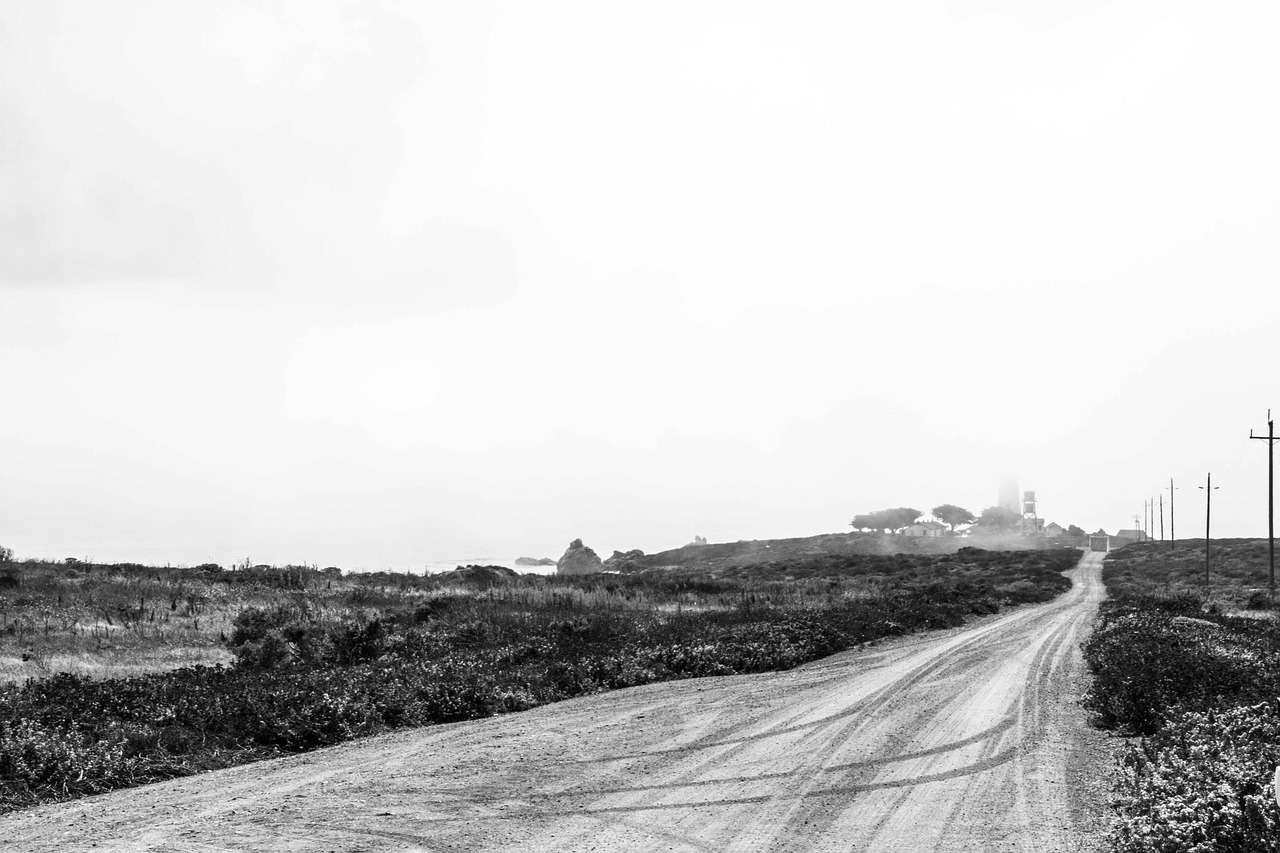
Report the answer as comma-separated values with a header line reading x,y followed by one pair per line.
x,y
1194,670
317,658
1238,574
109,621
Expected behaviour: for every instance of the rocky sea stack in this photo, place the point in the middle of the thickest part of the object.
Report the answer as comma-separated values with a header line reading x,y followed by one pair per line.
x,y
578,559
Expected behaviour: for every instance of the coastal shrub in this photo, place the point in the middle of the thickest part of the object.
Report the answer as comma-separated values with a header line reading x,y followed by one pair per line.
x,y
439,606
270,651
356,642
1260,599
1201,688
1147,662
1203,784
35,760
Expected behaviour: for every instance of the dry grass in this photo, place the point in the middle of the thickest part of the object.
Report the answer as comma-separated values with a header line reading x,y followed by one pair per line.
x,y
99,649
110,663
102,622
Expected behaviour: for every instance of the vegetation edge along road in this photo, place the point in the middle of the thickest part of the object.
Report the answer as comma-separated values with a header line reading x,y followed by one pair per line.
x,y
1191,673
321,660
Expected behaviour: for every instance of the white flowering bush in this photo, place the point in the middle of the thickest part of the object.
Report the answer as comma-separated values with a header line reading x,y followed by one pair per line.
x,y
1203,784
36,760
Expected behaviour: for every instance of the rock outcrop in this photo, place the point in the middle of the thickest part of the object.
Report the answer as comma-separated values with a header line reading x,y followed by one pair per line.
x,y
578,559
627,561
535,561
485,576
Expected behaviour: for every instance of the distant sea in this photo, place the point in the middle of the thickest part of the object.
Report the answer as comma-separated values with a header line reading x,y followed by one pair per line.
x,y
437,566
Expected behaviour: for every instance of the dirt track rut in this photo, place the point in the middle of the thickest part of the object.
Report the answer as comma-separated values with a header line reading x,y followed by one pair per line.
x,y
968,739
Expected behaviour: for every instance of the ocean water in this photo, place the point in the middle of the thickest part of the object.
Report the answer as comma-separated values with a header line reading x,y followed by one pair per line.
x,y
437,566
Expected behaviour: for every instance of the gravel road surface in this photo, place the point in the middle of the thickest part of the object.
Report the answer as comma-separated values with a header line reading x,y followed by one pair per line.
x,y
967,739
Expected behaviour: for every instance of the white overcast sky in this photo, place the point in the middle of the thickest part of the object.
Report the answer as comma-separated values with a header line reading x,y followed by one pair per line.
x,y
375,284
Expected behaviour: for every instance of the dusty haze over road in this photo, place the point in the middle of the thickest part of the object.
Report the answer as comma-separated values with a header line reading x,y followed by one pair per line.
x,y
968,739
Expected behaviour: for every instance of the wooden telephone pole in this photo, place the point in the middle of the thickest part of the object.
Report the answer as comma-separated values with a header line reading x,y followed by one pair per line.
x,y
1270,439
1208,504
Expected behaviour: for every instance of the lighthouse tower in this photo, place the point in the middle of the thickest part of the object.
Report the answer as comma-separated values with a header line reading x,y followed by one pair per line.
x,y
1010,498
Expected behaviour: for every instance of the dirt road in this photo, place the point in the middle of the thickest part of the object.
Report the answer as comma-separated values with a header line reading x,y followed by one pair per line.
x,y
968,739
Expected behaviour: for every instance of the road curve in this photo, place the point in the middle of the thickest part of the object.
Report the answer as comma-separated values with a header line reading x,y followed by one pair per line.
x,y
968,739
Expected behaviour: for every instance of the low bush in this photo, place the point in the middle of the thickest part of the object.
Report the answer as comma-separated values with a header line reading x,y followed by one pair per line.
x,y
1148,662
1203,784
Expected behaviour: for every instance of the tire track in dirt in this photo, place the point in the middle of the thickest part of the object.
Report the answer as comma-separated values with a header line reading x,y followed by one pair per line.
x,y
931,661
958,740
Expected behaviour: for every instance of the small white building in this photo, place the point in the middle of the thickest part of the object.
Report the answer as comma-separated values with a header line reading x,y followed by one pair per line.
x,y
925,528
1127,537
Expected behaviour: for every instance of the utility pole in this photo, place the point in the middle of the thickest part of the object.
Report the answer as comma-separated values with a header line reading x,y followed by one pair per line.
x,y
1271,501
1173,539
1161,517
1208,504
